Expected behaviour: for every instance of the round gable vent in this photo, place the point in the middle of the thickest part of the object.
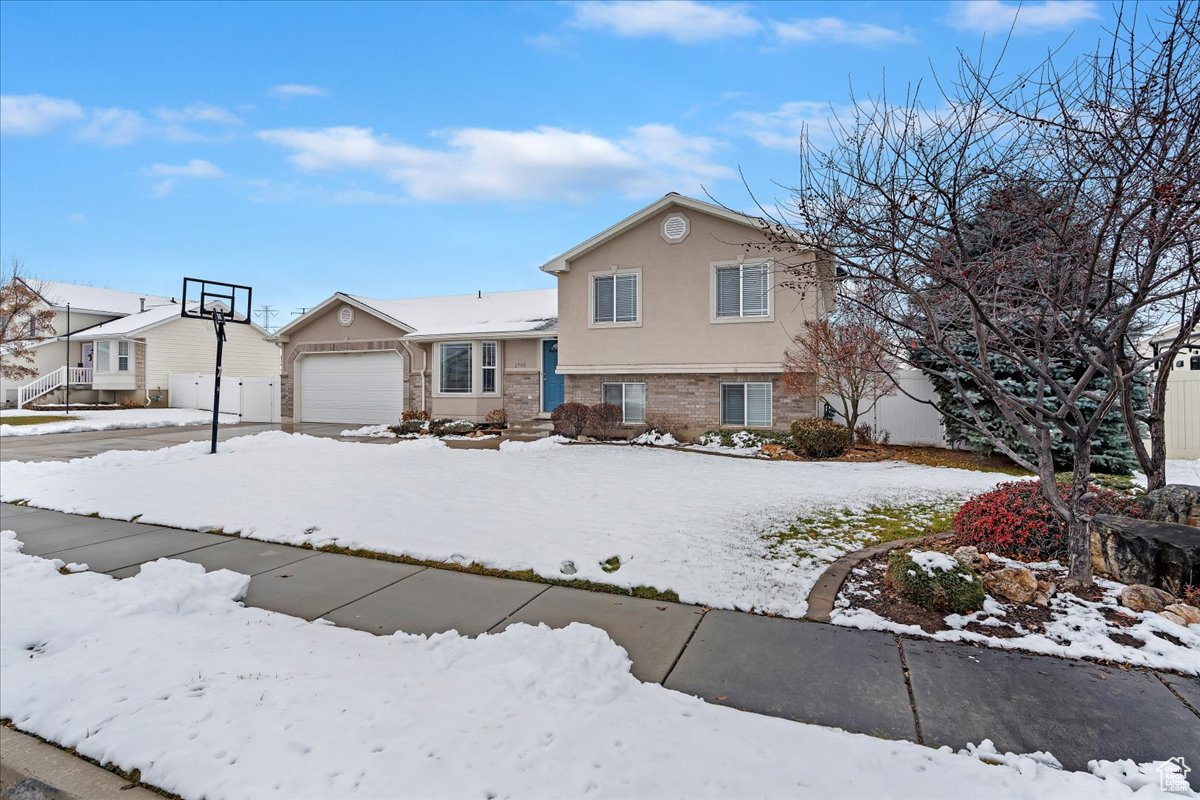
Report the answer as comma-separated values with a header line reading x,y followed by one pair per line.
x,y
675,228
346,315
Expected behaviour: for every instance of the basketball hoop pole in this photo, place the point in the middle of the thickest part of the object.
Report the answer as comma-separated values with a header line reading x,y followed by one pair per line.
x,y
219,327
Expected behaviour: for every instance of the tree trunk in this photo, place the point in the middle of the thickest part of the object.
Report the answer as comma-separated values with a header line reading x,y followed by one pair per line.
x,y
1156,474
1079,527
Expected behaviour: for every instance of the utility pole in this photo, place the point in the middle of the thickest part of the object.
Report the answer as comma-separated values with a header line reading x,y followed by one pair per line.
x,y
266,314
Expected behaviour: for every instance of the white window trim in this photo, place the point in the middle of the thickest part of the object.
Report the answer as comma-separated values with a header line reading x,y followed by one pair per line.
x,y
746,424
129,355
712,291
624,417
476,369
495,368
591,307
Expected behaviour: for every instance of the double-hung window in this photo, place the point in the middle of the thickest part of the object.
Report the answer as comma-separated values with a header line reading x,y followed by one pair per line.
x,y
743,290
488,361
455,368
123,356
615,298
102,356
629,397
746,404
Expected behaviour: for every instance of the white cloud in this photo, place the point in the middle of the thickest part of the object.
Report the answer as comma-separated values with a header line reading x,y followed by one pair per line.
x,y
77,217
298,90
544,163
114,126
550,42
684,21
197,168
783,128
199,112
28,114
839,31
996,16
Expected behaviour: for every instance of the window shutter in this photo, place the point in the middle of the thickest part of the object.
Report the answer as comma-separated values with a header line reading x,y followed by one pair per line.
x,y
754,290
733,404
728,292
627,288
602,299
758,405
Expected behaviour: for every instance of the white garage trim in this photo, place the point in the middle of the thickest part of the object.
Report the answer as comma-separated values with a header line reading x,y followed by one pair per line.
x,y
349,386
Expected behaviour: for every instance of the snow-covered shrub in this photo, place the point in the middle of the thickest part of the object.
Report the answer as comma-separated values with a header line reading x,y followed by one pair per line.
x,y
666,425
569,419
935,581
497,417
605,419
450,427
1015,520
820,438
655,437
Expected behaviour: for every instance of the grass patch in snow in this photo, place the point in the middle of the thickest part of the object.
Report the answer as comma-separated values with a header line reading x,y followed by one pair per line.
x,y
36,420
644,592
846,530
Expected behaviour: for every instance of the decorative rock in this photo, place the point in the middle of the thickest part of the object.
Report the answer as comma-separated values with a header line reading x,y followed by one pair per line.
x,y
1175,502
969,556
1189,614
1045,590
1171,616
1140,597
778,452
567,568
1161,554
1016,584
582,438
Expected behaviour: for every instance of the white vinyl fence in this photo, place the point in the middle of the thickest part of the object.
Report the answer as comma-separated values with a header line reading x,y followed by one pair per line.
x,y
1182,417
253,399
908,420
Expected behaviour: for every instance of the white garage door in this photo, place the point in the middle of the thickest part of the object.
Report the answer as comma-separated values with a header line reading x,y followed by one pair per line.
x,y
351,387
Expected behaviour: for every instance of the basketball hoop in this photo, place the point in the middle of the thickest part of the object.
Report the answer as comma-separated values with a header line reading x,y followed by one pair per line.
x,y
223,303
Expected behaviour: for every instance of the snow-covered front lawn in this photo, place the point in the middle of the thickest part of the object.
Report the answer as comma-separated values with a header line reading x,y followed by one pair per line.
x,y
700,526
166,674
117,419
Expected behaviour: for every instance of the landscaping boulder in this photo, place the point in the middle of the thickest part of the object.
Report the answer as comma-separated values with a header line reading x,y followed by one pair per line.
x,y
1045,590
969,556
1140,597
1175,502
1189,614
1015,584
1161,554
778,452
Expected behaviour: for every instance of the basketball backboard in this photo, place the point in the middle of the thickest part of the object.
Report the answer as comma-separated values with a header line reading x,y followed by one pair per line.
x,y
204,299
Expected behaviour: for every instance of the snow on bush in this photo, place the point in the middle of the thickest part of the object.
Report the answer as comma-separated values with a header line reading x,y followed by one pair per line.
x,y
211,699
931,560
926,579
656,438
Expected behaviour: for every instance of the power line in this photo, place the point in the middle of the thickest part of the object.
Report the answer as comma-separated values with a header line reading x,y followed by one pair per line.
x,y
266,314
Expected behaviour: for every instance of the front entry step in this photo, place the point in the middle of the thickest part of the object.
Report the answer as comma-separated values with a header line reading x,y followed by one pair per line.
x,y
529,430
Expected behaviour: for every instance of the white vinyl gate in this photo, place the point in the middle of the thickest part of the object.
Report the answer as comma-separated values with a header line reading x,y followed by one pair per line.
x,y
253,399
908,420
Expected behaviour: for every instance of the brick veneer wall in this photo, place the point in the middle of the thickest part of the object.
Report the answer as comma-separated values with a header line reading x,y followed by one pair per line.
x,y
522,391
287,380
694,399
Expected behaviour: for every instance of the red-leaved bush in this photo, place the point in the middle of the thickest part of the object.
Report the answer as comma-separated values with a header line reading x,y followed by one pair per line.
x,y
569,419
1015,520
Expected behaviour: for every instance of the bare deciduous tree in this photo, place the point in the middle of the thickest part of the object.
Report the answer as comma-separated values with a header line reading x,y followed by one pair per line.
x,y
1114,139
24,321
849,359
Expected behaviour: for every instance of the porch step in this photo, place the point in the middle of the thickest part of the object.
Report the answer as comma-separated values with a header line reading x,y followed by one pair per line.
x,y
543,426
509,435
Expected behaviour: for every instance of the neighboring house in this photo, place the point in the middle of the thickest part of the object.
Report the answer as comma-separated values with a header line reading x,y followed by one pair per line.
x,y
1182,413
679,310
124,346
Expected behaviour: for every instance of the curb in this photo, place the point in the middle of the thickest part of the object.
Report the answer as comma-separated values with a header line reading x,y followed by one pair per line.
x,y
31,769
825,590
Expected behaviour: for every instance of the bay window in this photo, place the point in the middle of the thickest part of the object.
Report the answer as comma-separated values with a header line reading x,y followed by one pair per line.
x,y
488,361
455,368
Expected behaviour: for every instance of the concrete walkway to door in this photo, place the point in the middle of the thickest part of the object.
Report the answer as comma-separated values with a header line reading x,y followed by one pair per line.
x,y
863,681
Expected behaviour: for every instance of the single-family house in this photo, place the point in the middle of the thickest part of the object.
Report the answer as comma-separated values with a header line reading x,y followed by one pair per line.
x,y
124,347
1181,417
680,310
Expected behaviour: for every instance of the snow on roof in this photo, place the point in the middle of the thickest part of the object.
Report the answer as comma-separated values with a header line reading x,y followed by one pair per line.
x,y
123,326
92,298
485,312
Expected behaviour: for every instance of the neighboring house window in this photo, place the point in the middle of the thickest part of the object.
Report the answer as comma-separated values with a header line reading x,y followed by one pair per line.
x,y
629,397
456,368
123,356
488,359
743,290
615,298
102,355
747,404
1195,362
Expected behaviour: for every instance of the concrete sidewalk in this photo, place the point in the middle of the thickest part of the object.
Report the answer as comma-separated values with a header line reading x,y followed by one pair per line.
x,y
895,687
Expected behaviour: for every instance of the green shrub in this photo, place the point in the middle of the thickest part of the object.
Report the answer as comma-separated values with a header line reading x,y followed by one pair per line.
x,y
820,438
940,587
450,427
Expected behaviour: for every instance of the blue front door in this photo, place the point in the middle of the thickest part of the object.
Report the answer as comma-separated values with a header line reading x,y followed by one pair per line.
x,y
552,383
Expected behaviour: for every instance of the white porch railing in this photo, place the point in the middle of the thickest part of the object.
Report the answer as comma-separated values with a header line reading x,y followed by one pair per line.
x,y
51,381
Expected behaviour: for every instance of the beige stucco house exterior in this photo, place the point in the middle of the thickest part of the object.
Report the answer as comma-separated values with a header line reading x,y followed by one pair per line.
x,y
124,347
678,311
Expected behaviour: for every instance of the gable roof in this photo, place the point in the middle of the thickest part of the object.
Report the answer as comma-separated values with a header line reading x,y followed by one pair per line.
x,y
562,263
93,299
134,324
491,313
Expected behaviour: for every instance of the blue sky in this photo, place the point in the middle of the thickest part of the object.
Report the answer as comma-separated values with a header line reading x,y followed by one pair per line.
x,y
411,149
